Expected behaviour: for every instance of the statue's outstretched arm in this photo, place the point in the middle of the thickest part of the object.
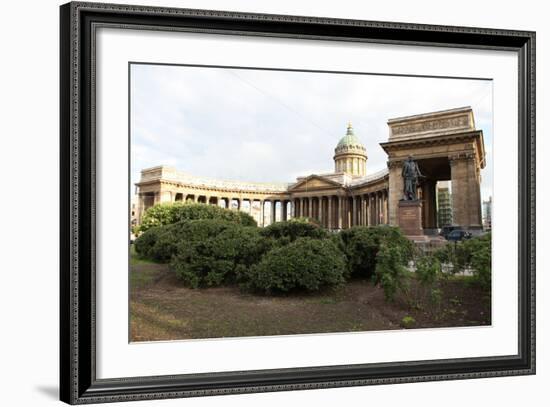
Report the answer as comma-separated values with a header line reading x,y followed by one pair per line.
x,y
418,170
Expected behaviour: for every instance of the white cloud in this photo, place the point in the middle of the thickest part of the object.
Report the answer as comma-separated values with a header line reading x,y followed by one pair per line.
x,y
260,125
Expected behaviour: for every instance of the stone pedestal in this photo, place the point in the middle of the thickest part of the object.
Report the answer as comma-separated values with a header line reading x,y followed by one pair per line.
x,y
409,218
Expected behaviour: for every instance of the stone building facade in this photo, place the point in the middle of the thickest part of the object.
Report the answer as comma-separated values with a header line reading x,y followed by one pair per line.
x,y
444,208
445,144
487,213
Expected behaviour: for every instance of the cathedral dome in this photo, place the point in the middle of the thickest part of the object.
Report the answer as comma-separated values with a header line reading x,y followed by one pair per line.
x,y
350,140
350,155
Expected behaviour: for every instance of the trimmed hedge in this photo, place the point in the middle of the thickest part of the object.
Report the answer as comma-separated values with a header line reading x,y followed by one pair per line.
x,y
285,256
305,263
170,213
146,241
217,258
361,245
161,243
288,231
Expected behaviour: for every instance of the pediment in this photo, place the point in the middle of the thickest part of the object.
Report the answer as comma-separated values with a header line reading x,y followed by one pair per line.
x,y
314,182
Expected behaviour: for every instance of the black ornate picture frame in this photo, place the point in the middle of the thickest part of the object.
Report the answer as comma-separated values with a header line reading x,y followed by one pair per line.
x,y
78,381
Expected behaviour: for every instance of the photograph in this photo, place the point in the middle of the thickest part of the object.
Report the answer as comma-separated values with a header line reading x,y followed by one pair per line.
x,y
257,202
266,202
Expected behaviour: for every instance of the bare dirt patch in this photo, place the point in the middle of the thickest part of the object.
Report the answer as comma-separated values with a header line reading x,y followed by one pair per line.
x,y
163,309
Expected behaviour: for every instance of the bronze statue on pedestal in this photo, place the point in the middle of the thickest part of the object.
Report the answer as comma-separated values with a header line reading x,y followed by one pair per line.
x,y
411,174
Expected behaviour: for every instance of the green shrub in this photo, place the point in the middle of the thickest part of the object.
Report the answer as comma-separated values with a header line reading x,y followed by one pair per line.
x,y
170,213
428,270
474,253
290,230
428,276
306,263
216,256
160,243
361,246
436,295
479,250
390,270
146,241
408,322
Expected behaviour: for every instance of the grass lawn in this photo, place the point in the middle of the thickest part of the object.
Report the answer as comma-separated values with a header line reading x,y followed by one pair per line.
x,y
163,309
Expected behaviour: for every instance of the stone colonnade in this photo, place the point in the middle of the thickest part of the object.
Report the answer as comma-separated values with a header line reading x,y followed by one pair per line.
x,y
341,212
280,207
331,211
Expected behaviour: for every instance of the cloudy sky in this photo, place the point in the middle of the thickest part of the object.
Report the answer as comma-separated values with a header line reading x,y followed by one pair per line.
x,y
272,126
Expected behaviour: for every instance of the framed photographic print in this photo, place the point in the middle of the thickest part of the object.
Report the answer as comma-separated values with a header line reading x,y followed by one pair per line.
x,y
255,203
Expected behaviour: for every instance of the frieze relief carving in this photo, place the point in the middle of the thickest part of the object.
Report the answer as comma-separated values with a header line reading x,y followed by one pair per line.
x,y
467,156
441,124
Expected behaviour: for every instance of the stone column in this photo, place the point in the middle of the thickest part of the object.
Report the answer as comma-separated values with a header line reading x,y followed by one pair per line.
x,y
359,212
354,211
367,208
395,192
322,215
385,207
380,208
363,210
319,216
339,212
466,194
374,210
310,211
329,212
283,209
430,209
273,211
140,207
381,200
349,212
261,223
375,206
163,196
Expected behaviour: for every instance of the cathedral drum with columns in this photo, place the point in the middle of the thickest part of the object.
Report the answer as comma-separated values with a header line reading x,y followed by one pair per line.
x,y
445,145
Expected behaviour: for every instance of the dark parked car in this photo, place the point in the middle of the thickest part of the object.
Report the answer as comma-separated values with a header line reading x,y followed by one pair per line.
x,y
458,235
445,230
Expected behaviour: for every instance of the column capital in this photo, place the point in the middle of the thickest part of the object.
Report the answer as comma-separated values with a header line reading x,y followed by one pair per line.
x,y
464,156
395,164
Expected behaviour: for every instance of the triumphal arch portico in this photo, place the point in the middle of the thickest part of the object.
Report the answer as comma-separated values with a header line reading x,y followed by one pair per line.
x,y
446,145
